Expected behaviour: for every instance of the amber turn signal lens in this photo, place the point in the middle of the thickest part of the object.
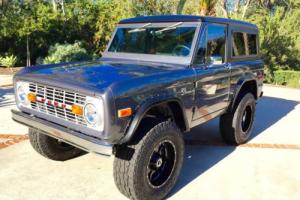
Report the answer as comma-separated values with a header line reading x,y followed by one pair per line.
x,y
125,112
77,110
31,97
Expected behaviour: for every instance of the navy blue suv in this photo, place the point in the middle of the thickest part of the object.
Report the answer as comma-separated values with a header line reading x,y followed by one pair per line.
x,y
159,77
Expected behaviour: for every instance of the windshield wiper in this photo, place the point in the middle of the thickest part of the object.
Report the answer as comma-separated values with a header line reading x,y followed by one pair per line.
x,y
139,29
173,26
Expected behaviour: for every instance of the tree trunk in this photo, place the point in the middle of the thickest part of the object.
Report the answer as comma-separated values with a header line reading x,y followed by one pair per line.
x,y
246,8
63,7
54,5
235,49
180,6
246,43
224,9
28,51
203,12
207,7
3,3
236,5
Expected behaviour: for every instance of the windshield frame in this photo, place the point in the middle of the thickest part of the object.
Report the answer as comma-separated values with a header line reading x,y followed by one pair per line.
x,y
152,57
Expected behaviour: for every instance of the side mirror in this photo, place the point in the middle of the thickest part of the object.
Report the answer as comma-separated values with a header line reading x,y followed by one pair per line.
x,y
215,60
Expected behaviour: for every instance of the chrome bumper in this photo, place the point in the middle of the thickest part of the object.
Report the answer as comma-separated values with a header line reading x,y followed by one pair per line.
x,y
66,135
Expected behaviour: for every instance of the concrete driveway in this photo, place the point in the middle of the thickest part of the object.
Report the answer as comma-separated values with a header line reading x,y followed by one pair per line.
x,y
265,168
5,80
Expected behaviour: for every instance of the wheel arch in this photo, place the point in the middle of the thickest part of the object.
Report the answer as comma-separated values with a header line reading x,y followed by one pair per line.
x,y
175,106
247,85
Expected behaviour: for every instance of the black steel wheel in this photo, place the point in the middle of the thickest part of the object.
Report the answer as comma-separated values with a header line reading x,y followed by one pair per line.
x,y
161,163
247,118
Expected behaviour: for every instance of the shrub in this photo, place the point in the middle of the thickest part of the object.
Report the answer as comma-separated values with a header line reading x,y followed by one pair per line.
x,y
8,61
278,45
66,53
288,78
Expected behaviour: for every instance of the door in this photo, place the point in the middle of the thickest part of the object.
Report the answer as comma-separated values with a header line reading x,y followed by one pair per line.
x,y
212,72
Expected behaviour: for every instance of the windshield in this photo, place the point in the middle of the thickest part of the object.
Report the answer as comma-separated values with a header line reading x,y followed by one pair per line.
x,y
172,40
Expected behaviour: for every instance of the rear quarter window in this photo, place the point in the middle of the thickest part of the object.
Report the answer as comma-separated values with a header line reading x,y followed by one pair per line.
x,y
244,44
252,38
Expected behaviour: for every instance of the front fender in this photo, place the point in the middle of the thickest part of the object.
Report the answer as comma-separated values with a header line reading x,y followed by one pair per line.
x,y
144,108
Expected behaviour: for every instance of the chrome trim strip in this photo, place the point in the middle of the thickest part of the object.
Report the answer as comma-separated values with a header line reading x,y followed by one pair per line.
x,y
71,137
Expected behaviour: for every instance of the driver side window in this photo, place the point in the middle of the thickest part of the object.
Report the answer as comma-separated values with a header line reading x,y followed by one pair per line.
x,y
216,40
211,46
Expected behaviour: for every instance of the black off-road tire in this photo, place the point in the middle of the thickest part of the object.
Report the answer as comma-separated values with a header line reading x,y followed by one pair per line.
x,y
236,126
51,148
131,163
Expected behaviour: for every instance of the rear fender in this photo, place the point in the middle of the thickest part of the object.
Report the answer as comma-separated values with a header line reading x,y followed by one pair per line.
x,y
239,86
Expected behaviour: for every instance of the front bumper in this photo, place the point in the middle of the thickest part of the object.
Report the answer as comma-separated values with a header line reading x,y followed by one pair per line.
x,y
77,139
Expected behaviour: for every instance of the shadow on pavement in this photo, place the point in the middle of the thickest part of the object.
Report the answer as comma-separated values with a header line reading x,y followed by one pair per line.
x,y
5,100
269,111
199,158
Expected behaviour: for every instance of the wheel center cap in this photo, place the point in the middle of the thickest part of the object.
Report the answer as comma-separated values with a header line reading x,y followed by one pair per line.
x,y
159,162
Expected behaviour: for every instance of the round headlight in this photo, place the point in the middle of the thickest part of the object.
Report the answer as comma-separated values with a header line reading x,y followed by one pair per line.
x,y
91,114
94,113
21,91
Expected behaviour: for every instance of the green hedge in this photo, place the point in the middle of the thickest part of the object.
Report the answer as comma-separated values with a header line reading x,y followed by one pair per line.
x,y
288,78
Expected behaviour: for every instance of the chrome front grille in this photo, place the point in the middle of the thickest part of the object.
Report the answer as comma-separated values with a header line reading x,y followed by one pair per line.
x,y
57,102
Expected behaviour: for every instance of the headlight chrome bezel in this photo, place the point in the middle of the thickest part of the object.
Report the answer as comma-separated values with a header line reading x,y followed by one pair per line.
x,y
91,114
97,103
22,87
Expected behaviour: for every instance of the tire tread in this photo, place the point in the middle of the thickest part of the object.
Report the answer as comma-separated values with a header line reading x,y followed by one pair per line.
x,y
124,163
40,143
229,121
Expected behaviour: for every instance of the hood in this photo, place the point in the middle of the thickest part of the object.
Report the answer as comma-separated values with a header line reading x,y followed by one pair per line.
x,y
95,75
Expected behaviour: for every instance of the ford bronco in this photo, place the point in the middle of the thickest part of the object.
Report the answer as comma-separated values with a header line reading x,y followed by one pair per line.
x,y
159,77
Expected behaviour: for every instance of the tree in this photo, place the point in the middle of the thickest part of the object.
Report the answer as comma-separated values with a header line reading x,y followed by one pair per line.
x,y
33,26
236,9
224,8
190,7
277,42
180,6
153,7
236,5
22,20
110,14
276,21
207,7
58,4
246,6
